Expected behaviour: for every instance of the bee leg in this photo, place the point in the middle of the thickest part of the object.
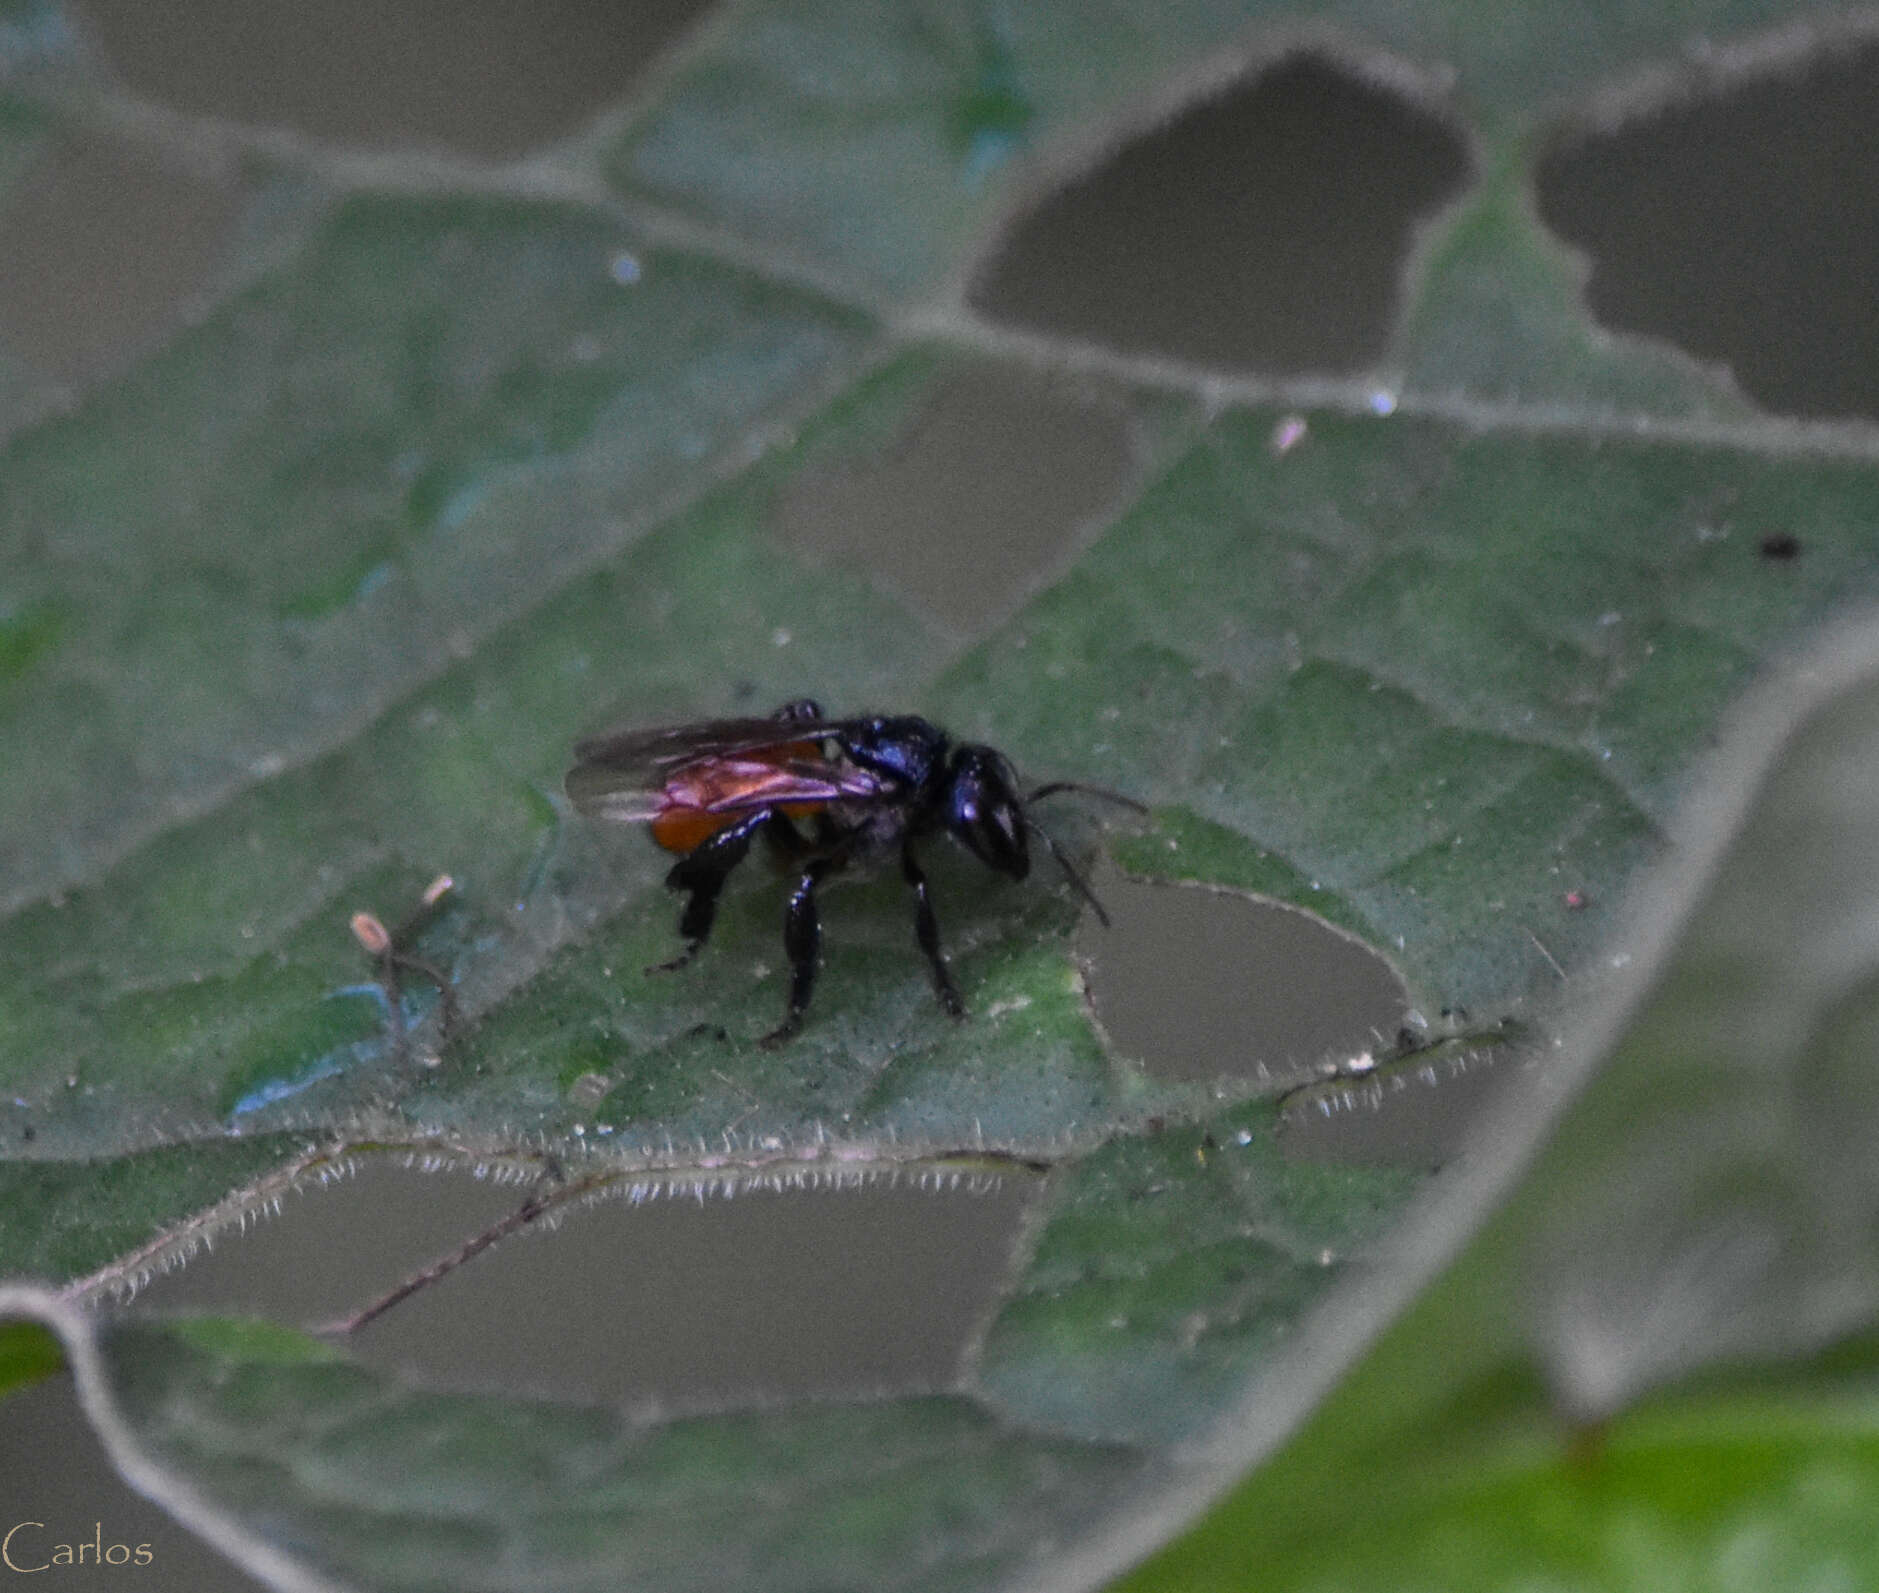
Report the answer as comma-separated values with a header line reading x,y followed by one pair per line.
x,y
703,871
926,931
787,843
802,943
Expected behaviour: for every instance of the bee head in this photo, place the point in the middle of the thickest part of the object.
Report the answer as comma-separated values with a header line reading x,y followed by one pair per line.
x,y
984,810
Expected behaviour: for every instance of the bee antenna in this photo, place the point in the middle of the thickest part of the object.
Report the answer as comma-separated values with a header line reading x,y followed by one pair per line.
x,y
1088,790
1070,872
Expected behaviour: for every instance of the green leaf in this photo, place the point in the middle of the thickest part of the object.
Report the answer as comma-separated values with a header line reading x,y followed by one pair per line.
x,y
27,1353
1706,1201
1360,688
306,606
1169,1268
65,1219
1770,1486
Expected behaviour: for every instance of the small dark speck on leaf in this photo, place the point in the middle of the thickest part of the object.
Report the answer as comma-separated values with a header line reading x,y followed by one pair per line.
x,y
1780,546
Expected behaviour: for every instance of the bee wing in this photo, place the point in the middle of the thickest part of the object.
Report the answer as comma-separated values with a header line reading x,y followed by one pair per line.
x,y
667,746
738,785
622,776
603,793
717,766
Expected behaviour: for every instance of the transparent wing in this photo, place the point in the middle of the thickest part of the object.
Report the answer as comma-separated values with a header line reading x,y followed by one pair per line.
x,y
667,746
714,766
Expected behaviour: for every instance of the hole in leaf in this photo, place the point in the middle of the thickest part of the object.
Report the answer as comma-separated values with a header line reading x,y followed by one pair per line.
x,y
77,299
982,497
681,1298
330,1245
1264,229
1742,226
1203,984
489,80
1416,1111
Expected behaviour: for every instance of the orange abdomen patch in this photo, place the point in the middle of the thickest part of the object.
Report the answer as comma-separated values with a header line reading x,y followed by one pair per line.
x,y
683,829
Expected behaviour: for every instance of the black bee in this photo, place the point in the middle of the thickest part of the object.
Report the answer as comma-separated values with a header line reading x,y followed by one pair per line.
x,y
824,793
